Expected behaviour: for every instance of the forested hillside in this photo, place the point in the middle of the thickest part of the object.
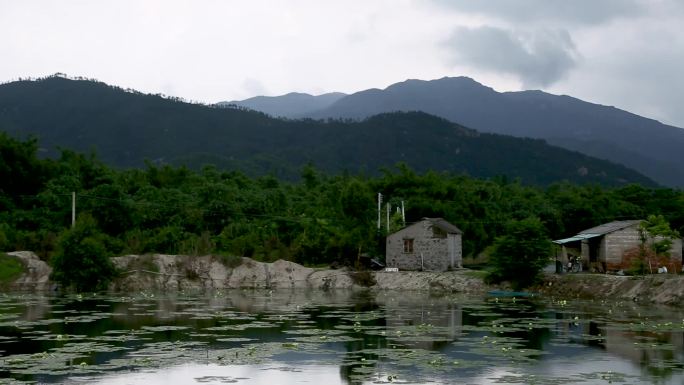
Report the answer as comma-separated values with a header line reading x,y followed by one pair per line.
x,y
321,219
605,132
125,128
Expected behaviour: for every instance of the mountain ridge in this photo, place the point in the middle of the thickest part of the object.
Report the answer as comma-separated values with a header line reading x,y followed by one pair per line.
x,y
126,128
562,120
290,105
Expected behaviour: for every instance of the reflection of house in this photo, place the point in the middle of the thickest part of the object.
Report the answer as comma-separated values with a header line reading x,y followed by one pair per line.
x,y
422,324
431,244
605,247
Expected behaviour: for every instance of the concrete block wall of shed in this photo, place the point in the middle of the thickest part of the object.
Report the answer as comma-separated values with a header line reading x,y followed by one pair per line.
x,y
619,242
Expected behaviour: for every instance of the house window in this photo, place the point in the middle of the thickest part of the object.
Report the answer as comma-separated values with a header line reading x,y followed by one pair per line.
x,y
408,245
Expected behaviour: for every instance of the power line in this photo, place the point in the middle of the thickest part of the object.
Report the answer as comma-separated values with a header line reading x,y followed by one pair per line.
x,y
298,219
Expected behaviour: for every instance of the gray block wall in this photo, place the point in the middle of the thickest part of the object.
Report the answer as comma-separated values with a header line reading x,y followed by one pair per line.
x,y
434,250
619,242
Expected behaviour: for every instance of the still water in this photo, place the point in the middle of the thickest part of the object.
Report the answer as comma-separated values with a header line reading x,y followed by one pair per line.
x,y
293,337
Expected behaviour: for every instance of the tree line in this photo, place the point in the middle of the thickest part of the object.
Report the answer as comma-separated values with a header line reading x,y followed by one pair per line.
x,y
319,219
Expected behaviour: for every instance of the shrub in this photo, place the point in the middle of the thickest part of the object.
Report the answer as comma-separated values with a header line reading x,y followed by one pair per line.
x,y
197,244
11,268
5,243
521,253
82,261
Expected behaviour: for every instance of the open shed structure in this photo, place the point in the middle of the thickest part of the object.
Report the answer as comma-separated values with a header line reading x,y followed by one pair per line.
x,y
431,244
609,246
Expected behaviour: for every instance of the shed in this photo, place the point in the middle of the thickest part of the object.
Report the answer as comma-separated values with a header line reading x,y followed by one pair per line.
x,y
608,246
431,244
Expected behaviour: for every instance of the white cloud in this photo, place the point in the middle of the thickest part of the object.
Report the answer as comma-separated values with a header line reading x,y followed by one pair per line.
x,y
538,59
633,65
585,12
621,52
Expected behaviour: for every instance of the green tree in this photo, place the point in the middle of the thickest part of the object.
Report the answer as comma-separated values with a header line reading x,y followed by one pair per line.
x,y
521,253
82,261
21,172
656,237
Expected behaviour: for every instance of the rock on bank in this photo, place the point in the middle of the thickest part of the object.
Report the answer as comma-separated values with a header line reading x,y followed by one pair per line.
x,y
36,274
173,272
177,272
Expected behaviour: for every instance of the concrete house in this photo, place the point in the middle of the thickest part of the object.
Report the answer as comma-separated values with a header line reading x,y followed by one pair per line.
x,y
608,247
431,244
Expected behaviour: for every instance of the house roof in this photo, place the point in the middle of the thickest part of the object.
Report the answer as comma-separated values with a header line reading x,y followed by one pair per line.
x,y
444,225
608,228
598,231
578,237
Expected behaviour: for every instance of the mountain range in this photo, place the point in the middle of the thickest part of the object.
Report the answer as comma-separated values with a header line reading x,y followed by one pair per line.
x,y
127,128
292,105
646,145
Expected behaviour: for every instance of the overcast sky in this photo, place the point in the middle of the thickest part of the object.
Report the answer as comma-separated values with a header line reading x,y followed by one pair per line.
x,y
625,53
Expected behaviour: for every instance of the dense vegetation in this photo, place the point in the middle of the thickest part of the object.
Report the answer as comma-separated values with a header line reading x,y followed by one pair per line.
x,y
125,128
320,220
11,268
520,254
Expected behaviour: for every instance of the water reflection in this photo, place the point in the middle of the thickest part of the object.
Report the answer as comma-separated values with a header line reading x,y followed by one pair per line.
x,y
284,337
216,374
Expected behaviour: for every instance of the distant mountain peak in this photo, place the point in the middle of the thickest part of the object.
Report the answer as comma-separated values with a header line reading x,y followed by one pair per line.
x,y
605,132
290,105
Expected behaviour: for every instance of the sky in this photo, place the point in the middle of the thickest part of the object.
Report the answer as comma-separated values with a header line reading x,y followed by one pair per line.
x,y
624,53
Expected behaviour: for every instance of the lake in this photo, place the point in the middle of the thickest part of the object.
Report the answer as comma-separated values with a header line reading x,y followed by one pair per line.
x,y
340,337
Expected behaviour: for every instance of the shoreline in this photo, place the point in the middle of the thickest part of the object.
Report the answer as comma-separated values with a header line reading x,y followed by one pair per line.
x,y
161,272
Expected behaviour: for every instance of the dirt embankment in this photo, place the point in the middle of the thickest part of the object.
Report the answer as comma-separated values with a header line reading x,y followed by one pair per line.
x,y
172,272
665,289
175,272
160,272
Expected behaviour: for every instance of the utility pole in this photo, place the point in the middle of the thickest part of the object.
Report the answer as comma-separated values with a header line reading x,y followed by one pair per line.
x,y
379,209
403,213
73,208
389,207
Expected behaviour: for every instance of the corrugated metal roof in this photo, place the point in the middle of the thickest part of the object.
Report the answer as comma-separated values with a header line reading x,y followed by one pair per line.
x,y
608,228
579,237
444,225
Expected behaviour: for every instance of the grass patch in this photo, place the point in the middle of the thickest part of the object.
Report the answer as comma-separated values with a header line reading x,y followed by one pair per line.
x,y
480,274
317,265
11,268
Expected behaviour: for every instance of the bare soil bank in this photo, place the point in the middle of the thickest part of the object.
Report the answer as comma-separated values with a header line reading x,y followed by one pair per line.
x,y
172,272
665,289
161,272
